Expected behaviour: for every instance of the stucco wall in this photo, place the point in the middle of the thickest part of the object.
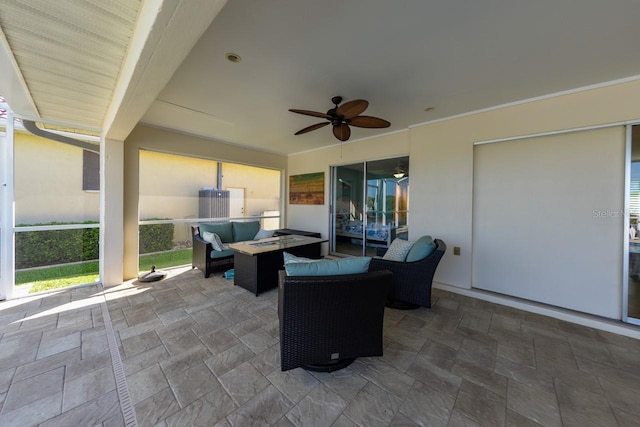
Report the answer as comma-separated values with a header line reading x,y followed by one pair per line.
x,y
48,183
262,186
169,186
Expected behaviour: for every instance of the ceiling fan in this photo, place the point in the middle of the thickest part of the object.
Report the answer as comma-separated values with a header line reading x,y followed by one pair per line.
x,y
343,116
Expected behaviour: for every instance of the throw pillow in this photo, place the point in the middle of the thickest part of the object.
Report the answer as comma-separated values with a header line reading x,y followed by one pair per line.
x,y
222,229
423,247
263,234
351,265
214,239
398,250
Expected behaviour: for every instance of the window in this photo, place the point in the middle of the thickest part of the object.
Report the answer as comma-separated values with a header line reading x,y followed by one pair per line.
x,y
90,171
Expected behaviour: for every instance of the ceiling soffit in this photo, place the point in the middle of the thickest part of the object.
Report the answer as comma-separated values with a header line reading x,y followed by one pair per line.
x,y
69,53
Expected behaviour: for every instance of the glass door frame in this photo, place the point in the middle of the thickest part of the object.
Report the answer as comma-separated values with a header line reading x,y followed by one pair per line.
x,y
333,209
627,225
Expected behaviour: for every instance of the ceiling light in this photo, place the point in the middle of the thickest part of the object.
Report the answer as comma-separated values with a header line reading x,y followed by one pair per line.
x,y
398,171
233,57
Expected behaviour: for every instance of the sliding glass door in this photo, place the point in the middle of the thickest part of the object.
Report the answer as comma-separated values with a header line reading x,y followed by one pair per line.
x,y
370,205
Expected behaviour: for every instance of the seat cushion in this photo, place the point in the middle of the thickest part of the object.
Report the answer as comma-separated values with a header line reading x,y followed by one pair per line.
x,y
422,248
398,250
351,265
243,231
221,254
222,229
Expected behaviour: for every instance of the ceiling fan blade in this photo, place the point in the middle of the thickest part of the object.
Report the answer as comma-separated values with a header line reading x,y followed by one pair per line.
x,y
310,128
311,113
353,108
342,132
369,122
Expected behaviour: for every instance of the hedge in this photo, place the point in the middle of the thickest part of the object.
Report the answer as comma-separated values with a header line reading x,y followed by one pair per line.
x,y
40,248
156,237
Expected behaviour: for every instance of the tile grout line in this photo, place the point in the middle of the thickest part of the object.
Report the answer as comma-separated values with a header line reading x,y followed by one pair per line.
x,y
122,388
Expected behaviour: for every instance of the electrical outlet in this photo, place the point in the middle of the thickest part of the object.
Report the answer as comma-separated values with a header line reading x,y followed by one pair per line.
x,y
456,250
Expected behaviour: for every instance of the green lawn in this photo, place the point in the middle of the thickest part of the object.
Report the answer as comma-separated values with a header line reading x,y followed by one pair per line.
x,y
62,276
165,259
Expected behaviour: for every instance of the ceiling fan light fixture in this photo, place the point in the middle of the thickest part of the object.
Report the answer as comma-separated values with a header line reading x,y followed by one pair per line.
x,y
399,171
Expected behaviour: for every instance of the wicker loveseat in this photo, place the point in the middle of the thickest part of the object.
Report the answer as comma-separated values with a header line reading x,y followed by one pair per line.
x,y
209,260
412,281
327,321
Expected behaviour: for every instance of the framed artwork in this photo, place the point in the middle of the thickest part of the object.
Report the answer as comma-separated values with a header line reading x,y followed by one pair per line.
x,y
306,189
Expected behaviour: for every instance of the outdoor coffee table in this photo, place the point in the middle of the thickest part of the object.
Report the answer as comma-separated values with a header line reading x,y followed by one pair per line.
x,y
256,262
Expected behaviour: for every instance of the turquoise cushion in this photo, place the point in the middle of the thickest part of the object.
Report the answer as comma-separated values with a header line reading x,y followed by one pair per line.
x,y
422,248
243,231
221,254
222,229
290,258
351,265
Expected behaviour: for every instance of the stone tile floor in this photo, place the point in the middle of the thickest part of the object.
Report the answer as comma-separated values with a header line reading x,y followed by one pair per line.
x,y
201,352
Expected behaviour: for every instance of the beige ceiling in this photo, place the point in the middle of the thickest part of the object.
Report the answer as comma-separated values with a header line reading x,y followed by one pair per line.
x,y
108,65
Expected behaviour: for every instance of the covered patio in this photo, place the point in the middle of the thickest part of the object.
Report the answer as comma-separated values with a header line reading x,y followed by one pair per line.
x,y
195,351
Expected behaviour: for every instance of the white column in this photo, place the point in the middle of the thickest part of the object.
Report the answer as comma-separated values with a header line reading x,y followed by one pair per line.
x,y
7,213
111,211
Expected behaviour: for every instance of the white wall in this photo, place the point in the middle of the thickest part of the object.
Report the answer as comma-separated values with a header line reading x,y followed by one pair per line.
x,y
441,159
529,207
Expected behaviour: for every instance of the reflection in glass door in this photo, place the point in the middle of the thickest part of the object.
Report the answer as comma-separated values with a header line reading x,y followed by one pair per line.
x,y
631,296
370,205
348,215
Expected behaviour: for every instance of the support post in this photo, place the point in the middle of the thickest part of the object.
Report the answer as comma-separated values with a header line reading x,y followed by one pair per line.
x,y
111,211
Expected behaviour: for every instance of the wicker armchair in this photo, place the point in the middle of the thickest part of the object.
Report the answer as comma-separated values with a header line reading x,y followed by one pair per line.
x,y
201,256
328,321
412,281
